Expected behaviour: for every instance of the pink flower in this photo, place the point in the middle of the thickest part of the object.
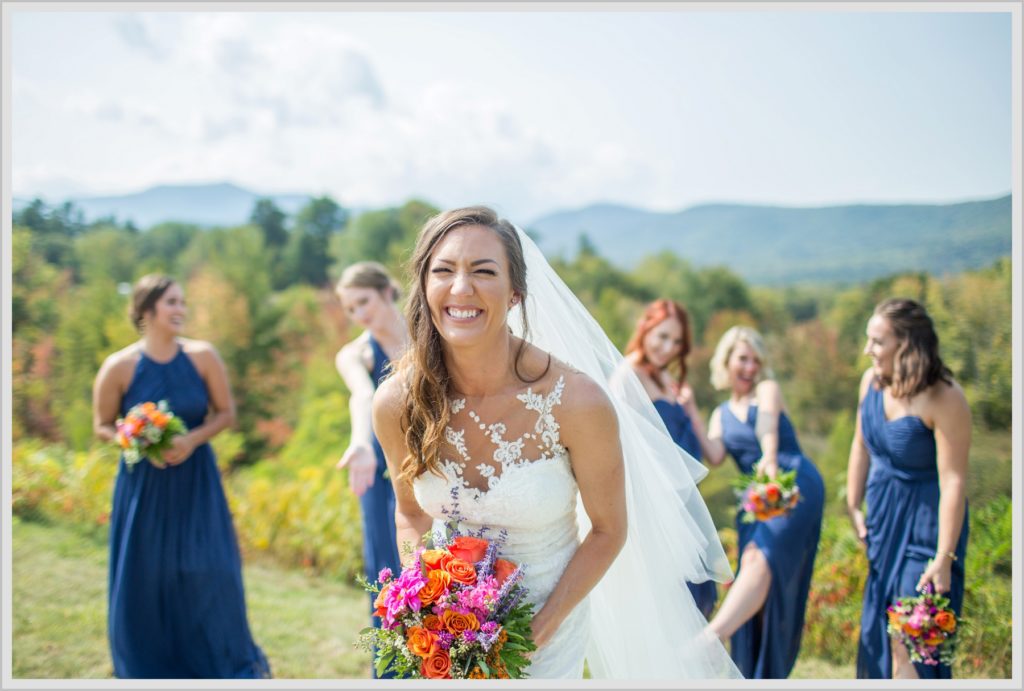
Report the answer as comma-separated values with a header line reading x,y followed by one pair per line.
x,y
403,594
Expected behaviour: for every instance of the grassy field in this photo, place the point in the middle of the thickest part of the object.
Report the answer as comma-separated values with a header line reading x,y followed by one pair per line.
x,y
306,625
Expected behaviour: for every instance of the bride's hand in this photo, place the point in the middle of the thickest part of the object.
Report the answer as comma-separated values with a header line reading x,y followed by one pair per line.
x,y
540,631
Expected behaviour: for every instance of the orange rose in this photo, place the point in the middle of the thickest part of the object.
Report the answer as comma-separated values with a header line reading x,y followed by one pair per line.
x,y
379,609
437,665
894,618
911,631
502,570
432,622
934,637
771,491
946,621
757,501
437,585
431,558
457,622
124,441
461,571
420,641
470,549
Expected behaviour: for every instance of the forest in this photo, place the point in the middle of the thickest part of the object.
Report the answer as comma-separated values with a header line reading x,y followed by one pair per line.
x,y
261,292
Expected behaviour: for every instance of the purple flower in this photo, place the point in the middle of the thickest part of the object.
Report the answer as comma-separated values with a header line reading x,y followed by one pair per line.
x,y
469,636
384,575
445,640
489,627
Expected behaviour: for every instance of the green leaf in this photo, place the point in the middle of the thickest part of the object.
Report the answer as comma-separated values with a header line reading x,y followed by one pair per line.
x,y
383,662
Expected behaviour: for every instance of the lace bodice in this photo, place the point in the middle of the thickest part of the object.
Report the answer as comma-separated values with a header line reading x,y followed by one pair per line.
x,y
513,474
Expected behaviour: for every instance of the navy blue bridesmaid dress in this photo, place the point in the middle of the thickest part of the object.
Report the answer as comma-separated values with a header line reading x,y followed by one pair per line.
x,y
176,607
380,548
902,497
676,419
766,646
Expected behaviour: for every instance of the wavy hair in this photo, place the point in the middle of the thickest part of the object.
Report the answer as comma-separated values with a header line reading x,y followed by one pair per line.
x,y
916,363
728,341
427,408
654,314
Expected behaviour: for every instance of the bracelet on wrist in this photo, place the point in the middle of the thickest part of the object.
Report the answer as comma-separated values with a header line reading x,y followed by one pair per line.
x,y
951,555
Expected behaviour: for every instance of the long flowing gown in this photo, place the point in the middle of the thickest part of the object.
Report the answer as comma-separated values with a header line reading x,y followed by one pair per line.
x,y
902,497
766,646
378,504
176,600
680,427
530,493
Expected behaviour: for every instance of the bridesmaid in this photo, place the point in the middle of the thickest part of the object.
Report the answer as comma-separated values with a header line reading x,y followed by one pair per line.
x,y
657,352
176,607
369,296
909,457
763,610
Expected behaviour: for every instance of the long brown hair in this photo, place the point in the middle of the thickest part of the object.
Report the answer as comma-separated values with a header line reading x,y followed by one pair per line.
x,y
916,363
654,314
422,370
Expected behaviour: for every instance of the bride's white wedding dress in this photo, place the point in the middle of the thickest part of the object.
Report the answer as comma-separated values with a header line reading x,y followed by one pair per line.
x,y
507,469
523,484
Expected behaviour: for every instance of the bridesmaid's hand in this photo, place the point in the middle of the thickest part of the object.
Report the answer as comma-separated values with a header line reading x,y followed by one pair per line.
x,y
939,573
685,396
182,447
860,526
769,468
362,468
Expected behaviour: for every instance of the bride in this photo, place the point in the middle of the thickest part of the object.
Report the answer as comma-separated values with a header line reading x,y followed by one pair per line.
x,y
544,435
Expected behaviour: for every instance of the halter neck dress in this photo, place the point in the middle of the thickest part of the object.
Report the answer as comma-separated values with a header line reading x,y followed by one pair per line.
x,y
176,607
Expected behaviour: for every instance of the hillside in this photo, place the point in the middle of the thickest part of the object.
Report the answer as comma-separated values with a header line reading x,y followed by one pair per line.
x,y
775,245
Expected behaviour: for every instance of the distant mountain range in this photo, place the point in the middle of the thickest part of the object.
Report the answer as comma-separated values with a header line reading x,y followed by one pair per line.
x,y
220,204
763,244
776,245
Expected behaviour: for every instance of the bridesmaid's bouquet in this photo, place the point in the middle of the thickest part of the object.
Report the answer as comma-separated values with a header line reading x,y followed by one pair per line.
x,y
146,431
926,625
456,612
762,498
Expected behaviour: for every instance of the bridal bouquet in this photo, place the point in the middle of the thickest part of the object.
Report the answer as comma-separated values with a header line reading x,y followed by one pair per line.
x,y
146,431
926,625
456,612
763,498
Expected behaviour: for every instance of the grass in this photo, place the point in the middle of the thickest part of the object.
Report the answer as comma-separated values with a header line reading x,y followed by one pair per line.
x,y
306,625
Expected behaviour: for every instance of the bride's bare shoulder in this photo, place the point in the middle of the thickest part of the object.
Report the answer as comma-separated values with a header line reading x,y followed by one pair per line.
x,y
580,393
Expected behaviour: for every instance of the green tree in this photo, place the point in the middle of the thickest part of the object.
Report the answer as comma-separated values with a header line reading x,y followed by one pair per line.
x,y
306,258
54,230
271,220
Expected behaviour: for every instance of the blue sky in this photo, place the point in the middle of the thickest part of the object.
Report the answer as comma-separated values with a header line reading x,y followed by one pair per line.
x,y
528,111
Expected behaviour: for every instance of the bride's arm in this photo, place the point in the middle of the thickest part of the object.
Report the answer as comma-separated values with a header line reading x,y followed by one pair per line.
x,y
411,521
589,429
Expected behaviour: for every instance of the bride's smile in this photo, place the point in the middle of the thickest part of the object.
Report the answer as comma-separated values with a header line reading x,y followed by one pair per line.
x,y
468,288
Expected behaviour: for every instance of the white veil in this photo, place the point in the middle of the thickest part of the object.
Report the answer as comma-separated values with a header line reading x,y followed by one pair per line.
x,y
643,620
